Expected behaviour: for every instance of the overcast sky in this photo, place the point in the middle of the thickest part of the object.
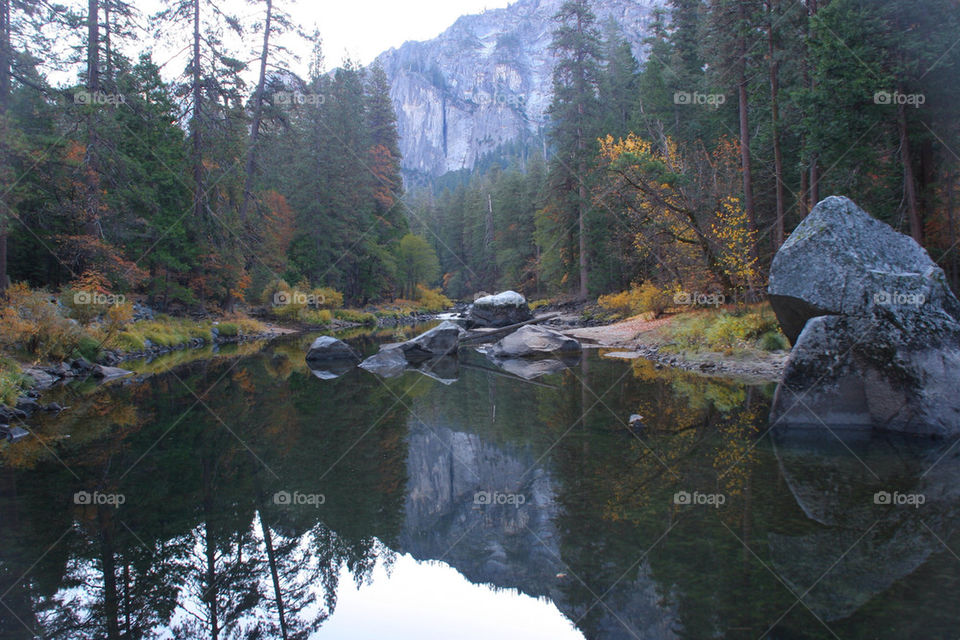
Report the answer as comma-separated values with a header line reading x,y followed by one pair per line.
x,y
364,28
361,29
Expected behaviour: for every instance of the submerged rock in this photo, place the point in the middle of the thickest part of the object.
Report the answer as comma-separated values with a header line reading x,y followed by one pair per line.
x,y
500,310
874,326
388,362
329,349
104,373
532,341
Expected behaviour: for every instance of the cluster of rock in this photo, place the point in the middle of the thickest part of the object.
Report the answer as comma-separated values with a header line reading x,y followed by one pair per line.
x,y
528,352
44,378
875,327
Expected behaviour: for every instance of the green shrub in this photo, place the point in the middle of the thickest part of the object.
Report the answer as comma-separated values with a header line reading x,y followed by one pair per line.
x,y
13,382
130,341
774,341
88,348
352,315
228,330
317,316
327,298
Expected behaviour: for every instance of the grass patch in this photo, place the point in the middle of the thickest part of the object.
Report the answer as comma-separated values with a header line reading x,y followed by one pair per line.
x,y
729,332
13,382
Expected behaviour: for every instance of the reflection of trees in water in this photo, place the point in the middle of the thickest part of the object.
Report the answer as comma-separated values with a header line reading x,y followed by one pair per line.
x,y
199,546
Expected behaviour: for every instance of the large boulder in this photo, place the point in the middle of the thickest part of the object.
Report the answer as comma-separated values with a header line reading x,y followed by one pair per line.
x,y
500,310
392,360
328,349
841,261
893,370
533,341
442,340
874,326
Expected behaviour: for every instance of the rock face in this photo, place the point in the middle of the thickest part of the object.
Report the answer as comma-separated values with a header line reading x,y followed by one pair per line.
x,y
486,81
500,310
532,341
879,341
841,261
328,349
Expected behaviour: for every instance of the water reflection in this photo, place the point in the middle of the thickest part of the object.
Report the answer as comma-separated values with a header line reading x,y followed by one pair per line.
x,y
256,497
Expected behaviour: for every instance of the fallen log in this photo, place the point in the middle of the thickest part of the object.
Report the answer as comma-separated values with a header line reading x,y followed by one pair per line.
x,y
479,335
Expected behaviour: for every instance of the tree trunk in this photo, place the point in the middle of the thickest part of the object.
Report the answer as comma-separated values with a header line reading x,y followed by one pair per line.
x,y
195,123
5,61
274,574
745,123
909,183
802,202
93,45
257,116
210,548
814,169
108,564
779,227
92,164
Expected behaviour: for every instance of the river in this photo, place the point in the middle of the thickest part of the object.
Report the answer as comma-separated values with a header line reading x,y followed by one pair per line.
x,y
237,495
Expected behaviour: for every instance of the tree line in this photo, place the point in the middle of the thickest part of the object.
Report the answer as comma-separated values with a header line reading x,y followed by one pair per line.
x,y
689,170
204,188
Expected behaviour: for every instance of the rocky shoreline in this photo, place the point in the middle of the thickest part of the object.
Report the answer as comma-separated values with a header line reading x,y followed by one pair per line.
x,y
104,370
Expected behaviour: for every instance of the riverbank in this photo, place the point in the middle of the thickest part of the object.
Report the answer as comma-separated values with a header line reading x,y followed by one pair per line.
x,y
731,343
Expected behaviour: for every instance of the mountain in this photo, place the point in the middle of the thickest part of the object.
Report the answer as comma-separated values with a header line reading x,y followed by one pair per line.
x,y
486,80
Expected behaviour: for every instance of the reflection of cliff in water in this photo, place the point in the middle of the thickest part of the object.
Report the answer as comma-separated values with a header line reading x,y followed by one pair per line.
x,y
509,545
862,548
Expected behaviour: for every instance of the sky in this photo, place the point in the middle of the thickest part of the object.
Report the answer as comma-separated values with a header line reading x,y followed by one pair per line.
x,y
365,28
360,29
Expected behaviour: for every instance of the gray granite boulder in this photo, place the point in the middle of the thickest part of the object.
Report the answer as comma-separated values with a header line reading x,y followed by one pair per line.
x,y
895,369
392,360
442,340
500,310
533,341
328,349
842,261
874,326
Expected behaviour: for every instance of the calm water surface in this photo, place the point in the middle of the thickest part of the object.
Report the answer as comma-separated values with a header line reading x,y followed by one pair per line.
x,y
238,495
